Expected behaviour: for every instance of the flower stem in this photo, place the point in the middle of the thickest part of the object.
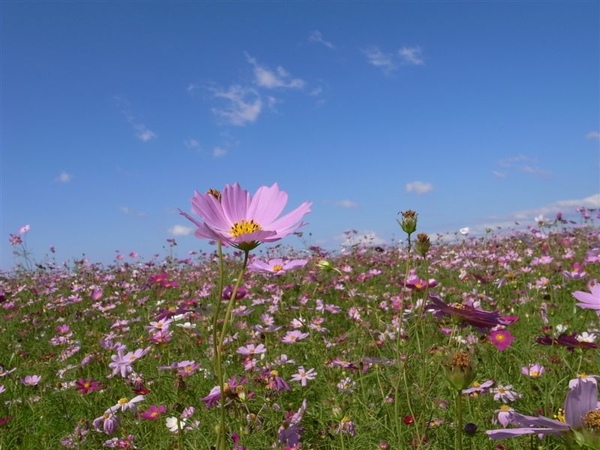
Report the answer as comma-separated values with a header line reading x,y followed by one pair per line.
x,y
218,339
459,421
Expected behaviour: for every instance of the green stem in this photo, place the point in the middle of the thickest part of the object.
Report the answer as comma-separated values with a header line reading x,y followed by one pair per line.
x,y
459,421
222,434
216,344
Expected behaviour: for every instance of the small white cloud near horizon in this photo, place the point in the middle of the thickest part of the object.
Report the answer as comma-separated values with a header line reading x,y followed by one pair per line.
x,y
593,135
244,105
272,79
411,56
63,177
180,230
520,163
365,238
419,187
316,36
347,204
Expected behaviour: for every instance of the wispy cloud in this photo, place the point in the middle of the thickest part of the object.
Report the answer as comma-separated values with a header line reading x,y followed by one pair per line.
x,y
63,177
180,230
411,55
242,105
142,132
131,212
219,152
419,187
521,163
193,144
272,79
593,135
377,58
360,238
317,37
347,204
389,62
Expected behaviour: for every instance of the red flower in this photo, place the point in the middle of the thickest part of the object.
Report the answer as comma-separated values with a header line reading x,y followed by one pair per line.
x,y
408,420
85,386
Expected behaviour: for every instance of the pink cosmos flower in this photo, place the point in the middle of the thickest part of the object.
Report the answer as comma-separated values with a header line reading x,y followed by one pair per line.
x,y
31,380
589,300
243,221
533,370
277,266
502,339
251,349
303,376
294,336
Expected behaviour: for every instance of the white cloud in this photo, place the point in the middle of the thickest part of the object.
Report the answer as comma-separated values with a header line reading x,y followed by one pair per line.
x,y
593,135
347,204
411,55
180,230
272,79
498,174
377,58
523,164
144,134
244,105
419,187
191,143
218,152
63,177
316,36
131,212
527,216
360,238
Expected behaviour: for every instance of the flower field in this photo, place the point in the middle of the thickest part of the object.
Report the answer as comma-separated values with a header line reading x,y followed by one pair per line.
x,y
475,343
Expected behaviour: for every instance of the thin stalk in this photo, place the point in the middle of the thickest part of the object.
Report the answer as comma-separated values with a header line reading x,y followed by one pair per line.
x,y
222,435
459,421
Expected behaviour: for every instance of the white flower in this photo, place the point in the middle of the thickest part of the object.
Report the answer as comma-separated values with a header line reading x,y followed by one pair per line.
x,y
464,231
586,337
174,424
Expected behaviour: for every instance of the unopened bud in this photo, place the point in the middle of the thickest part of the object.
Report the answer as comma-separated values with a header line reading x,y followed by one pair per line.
x,y
423,244
460,370
408,222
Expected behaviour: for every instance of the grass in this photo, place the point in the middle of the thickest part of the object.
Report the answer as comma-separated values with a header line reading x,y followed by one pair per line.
x,y
380,355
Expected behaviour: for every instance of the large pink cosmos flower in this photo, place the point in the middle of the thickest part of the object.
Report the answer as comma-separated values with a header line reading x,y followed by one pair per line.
x,y
243,221
589,300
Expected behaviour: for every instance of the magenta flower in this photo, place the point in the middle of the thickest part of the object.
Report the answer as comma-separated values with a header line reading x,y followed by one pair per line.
x,y
277,266
153,412
501,339
87,385
243,221
589,300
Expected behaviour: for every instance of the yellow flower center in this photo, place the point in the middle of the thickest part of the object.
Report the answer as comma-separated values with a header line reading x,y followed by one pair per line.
x,y
505,408
277,267
244,227
591,420
560,415
123,401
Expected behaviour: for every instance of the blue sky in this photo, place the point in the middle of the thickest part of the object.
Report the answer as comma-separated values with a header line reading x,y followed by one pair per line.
x,y
474,114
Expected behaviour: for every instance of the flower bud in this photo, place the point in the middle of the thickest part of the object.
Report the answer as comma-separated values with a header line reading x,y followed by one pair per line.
x,y
423,244
460,370
408,222
215,193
